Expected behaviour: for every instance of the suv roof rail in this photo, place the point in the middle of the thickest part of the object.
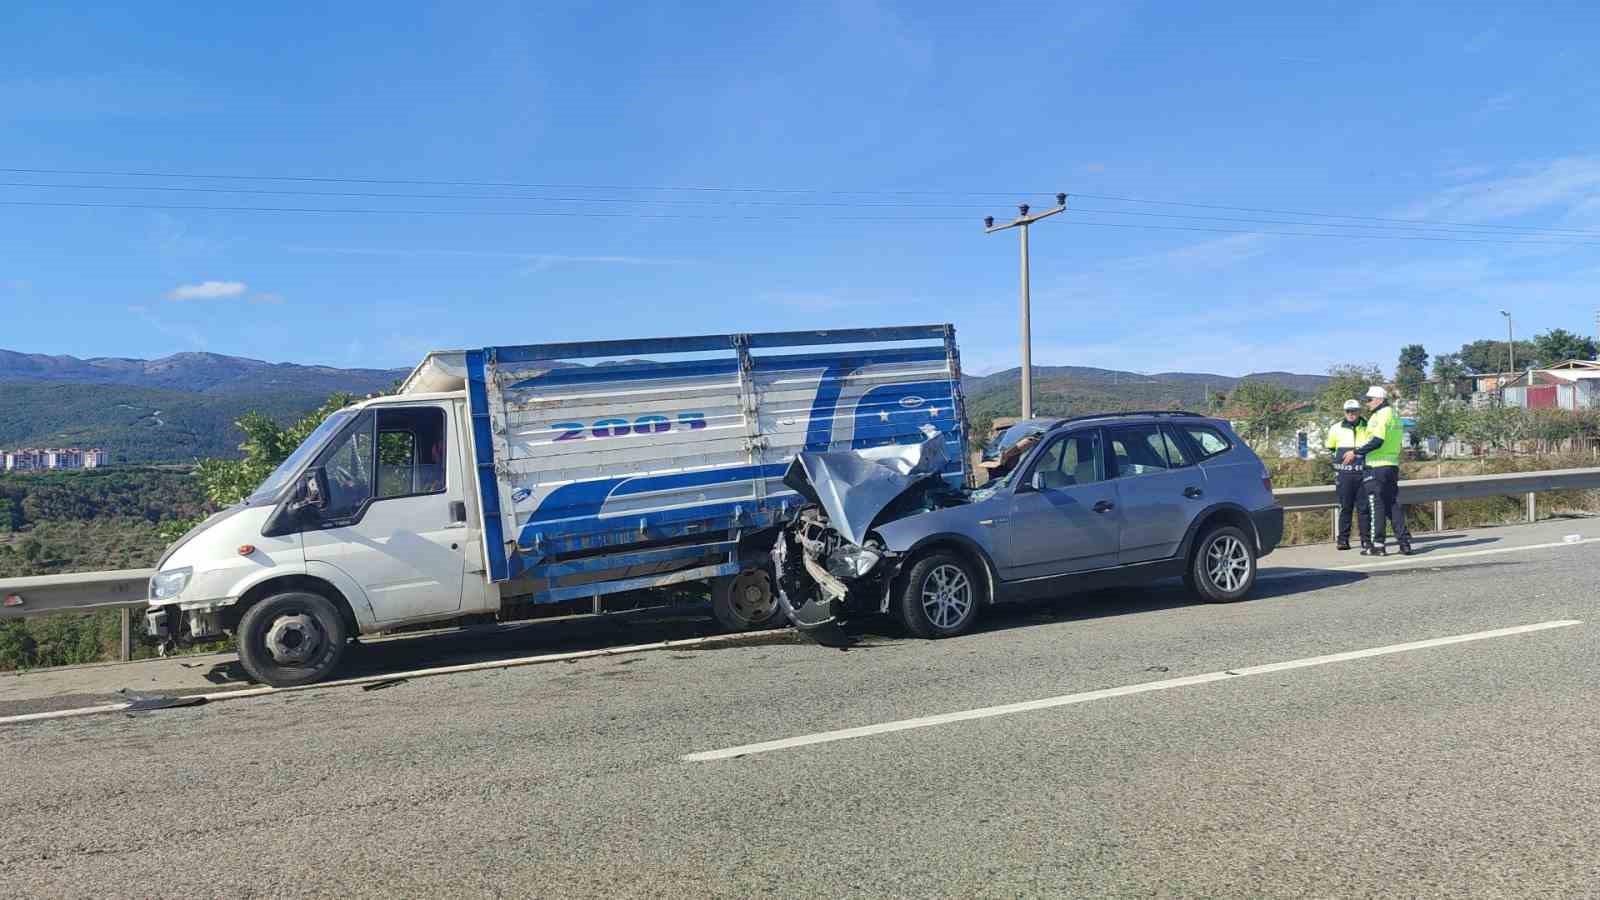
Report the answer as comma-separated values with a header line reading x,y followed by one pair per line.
x,y
1143,412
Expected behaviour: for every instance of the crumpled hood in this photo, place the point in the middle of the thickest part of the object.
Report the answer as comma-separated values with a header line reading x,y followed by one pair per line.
x,y
853,486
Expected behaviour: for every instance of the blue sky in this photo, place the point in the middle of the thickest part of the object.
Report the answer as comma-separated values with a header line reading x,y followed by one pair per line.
x,y
1486,115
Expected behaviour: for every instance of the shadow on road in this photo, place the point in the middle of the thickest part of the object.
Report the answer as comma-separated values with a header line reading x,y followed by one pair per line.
x,y
1171,594
486,643
1426,545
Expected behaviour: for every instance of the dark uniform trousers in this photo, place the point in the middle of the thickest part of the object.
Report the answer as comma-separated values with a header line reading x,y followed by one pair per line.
x,y
1347,483
1380,495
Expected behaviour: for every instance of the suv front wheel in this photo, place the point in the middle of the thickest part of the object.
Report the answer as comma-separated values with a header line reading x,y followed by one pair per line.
x,y
939,597
1224,566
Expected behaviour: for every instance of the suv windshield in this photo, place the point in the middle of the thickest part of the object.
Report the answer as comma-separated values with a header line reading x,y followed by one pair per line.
x,y
307,449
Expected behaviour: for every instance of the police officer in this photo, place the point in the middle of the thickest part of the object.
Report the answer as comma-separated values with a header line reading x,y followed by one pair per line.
x,y
1345,435
1381,487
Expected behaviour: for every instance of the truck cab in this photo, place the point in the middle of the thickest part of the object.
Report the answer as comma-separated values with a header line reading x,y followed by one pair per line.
x,y
373,515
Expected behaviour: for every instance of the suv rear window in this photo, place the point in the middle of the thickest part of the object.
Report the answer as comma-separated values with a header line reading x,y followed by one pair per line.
x,y
1209,440
1144,449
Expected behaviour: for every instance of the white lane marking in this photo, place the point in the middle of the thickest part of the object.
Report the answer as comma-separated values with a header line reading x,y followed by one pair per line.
x,y
1008,709
1430,557
485,665
1421,559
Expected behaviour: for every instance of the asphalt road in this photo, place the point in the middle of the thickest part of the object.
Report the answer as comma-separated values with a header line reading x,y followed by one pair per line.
x,y
1463,769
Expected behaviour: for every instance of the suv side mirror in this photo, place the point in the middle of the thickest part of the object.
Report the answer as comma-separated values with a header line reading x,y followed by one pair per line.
x,y
1037,481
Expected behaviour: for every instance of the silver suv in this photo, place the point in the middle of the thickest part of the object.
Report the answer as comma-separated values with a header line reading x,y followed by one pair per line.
x,y
1076,504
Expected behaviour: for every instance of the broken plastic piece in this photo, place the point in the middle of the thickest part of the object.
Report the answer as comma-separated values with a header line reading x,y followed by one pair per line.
x,y
149,703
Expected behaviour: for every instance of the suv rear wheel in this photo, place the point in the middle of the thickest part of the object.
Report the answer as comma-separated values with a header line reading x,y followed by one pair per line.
x,y
1224,565
939,597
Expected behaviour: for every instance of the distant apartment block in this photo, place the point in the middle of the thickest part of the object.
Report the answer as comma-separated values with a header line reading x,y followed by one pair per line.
x,y
33,459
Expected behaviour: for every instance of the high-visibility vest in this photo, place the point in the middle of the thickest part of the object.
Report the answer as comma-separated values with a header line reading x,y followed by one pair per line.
x,y
1385,423
1343,435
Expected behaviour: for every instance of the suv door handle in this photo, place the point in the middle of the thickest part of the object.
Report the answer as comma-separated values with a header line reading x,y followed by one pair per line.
x,y
1104,506
1192,492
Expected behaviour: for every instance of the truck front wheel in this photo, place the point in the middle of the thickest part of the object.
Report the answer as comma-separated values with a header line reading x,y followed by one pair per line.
x,y
291,639
746,601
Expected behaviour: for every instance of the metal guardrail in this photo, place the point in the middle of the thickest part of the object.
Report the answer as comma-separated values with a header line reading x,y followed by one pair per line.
x,y
80,592
126,589
1438,490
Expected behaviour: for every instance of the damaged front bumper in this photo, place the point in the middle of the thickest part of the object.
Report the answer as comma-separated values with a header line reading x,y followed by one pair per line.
x,y
827,563
172,624
822,579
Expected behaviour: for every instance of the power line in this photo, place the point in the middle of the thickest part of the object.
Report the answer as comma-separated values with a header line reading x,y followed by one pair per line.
x,y
1389,237
512,184
778,191
568,214
831,204
1289,212
494,197
767,218
1419,228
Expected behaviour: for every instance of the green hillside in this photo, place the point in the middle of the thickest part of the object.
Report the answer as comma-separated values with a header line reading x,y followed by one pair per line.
x,y
1070,397
136,424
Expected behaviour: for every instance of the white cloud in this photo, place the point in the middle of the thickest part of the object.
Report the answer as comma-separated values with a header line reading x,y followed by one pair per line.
x,y
1535,186
208,290
1216,253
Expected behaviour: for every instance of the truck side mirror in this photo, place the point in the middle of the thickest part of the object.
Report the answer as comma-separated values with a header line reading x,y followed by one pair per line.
x,y
314,492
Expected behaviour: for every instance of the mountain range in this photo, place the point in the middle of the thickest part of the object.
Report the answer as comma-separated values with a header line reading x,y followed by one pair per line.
x,y
182,407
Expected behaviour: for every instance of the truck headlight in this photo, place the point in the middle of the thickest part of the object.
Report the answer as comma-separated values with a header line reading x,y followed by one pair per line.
x,y
171,583
852,561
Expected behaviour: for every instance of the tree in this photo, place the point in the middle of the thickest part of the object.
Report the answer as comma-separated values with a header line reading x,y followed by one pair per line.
x,y
1552,428
266,445
1267,407
1488,356
1345,383
1449,371
1412,370
1437,414
1560,345
1495,427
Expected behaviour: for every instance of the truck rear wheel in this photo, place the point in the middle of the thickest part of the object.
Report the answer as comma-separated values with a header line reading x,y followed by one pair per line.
x,y
292,638
746,601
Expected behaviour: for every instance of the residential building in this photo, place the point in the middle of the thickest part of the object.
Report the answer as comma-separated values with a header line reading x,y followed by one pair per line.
x,y
32,459
1570,385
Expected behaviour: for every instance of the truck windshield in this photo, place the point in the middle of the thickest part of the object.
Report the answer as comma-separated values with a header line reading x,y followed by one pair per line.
x,y
307,449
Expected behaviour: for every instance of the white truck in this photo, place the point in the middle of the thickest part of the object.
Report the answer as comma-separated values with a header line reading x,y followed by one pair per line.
x,y
543,474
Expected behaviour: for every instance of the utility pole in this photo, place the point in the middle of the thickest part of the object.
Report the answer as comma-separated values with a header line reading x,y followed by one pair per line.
x,y
1023,220
1511,344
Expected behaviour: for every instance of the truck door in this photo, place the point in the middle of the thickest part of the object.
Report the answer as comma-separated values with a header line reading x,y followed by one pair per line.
x,y
391,520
